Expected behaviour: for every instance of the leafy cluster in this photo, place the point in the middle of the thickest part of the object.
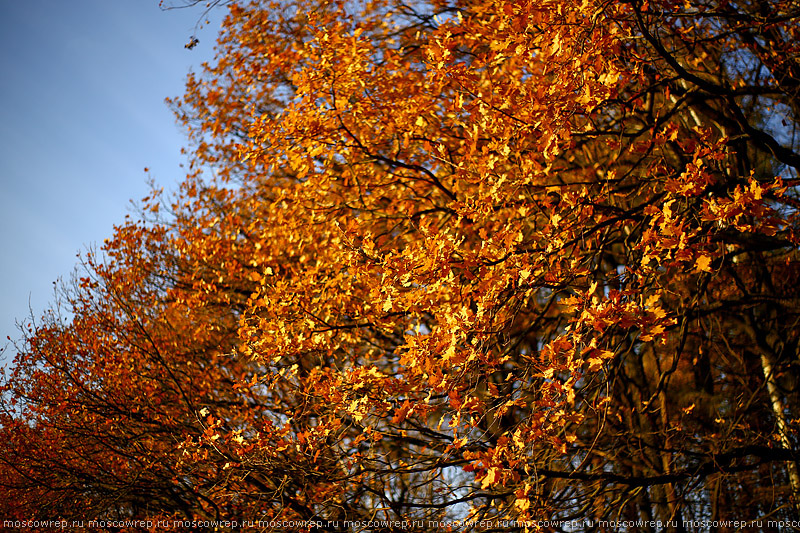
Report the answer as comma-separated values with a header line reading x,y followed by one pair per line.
x,y
445,260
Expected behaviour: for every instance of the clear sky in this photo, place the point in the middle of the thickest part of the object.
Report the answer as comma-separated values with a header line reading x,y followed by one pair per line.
x,y
82,89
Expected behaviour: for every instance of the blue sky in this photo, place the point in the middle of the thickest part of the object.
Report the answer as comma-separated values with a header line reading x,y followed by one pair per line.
x,y
82,88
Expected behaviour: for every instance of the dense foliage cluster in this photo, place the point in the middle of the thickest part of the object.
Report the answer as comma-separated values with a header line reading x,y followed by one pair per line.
x,y
445,260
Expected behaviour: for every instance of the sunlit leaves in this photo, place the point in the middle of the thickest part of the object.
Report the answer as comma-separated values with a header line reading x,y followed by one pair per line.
x,y
440,261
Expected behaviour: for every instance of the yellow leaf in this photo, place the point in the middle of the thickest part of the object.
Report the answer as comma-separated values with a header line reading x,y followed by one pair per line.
x,y
490,477
595,364
652,300
703,263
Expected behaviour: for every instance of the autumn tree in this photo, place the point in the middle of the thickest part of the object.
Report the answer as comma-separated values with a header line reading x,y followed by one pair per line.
x,y
446,261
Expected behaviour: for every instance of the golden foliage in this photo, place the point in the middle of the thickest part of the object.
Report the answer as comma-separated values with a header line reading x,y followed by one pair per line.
x,y
455,261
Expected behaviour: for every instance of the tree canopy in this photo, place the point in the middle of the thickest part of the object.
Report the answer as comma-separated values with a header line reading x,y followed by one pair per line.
x,y
446,261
